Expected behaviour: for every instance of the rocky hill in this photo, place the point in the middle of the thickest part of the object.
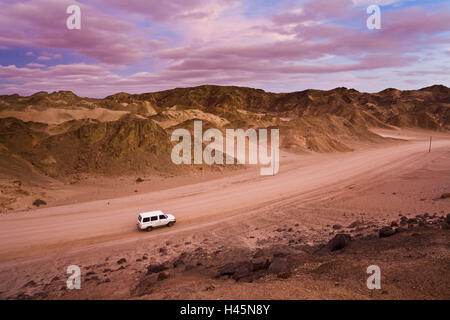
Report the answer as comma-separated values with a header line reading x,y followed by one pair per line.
x,y
60,135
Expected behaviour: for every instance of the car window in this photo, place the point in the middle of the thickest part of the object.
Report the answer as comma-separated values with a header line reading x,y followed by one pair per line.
x,y
154,218
162,217
140,219
146,220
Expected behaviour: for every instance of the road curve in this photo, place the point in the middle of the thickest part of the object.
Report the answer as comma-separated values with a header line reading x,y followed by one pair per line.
x,y
57,229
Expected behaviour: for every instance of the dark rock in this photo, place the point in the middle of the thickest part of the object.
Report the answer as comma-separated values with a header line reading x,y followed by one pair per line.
x,y
163,275
243,271
448,218
180,260
386,232
120,261
339,242
260,263
394,224
39,202
154,268
400,230
278,266
337,227
228,269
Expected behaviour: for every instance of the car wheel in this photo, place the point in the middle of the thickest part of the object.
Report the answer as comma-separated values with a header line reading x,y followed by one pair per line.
x,y
149,229
170,224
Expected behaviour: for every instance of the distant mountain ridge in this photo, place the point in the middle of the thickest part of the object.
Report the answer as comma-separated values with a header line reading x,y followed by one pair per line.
x,y
61,135
425,108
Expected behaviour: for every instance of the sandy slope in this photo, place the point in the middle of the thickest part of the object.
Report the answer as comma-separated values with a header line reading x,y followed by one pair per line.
x,y
58,229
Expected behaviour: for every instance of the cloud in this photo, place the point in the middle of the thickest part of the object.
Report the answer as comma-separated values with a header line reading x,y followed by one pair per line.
x,y
140,46
35,65
42,24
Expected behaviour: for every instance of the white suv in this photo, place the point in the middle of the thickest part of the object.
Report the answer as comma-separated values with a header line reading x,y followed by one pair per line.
x,y
154,219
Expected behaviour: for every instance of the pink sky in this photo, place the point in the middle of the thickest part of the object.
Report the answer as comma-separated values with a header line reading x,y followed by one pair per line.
x,y
141,46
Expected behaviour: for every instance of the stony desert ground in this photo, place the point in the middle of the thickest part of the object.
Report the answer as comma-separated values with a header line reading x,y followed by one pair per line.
x,y
357,186
244,236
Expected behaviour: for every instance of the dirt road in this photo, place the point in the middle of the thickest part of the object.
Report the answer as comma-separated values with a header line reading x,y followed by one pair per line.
x,y
57,229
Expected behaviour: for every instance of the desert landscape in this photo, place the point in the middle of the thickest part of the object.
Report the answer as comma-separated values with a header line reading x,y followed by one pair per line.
x,y
358,185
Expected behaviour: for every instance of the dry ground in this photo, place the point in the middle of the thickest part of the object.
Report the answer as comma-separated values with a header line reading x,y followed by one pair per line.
x,y
312,198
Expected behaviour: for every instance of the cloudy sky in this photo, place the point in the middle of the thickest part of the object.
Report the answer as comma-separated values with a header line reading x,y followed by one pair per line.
x,y
149,45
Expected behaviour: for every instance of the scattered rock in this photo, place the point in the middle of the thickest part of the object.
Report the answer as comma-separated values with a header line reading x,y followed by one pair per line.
x,y
39,202
145,285
339,242
337,227
180,260
355,224
445,195
139,180
386,232
163,275
120,261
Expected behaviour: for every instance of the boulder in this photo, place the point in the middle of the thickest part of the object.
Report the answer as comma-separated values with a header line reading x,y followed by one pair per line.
x,y
339,242
386,232
155,268
243,271
278,266
260,263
